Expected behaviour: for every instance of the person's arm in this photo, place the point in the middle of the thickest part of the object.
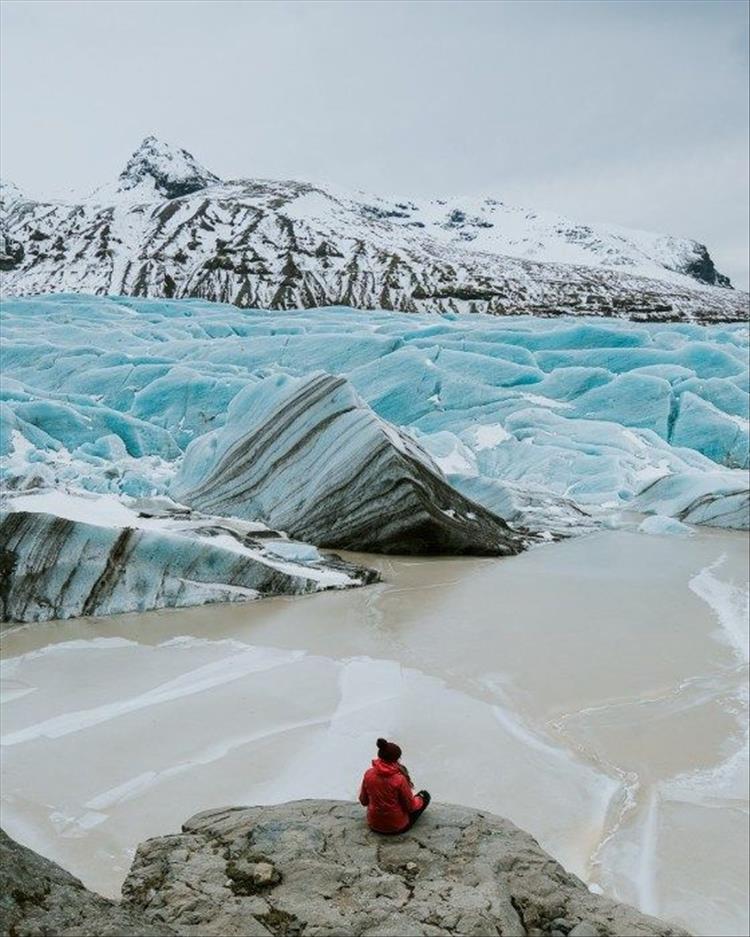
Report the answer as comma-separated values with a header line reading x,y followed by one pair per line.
x,y
364,797
406,798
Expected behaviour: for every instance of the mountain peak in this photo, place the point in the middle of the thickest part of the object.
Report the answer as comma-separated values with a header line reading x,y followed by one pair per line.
x,y
9,193
167,171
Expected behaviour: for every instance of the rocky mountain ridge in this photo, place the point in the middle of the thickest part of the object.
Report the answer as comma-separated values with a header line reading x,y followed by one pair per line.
x,y
168,227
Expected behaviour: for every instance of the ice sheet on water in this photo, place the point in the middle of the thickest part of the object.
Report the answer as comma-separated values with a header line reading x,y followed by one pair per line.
x,y
97,554
664,526
107,393
717,499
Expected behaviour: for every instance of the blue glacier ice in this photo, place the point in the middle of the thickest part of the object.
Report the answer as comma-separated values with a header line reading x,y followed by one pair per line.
x,y
79,554
664,526
523,415
308,456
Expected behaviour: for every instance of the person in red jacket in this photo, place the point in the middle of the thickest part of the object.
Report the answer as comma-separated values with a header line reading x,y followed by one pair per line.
x,y
387,792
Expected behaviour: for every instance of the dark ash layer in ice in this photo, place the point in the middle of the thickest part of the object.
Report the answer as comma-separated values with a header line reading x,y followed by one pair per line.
x,y
54,567
310,457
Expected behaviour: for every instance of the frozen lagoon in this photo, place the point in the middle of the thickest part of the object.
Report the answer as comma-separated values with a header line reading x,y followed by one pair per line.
x,y
594,691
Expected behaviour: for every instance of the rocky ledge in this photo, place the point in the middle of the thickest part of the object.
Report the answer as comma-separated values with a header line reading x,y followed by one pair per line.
x,y
312,868
37,898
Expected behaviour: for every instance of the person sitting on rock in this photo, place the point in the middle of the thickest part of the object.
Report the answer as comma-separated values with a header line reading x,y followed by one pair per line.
x,y
387,792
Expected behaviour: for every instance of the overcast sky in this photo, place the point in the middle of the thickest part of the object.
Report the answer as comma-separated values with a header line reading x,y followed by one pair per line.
x,y
630,112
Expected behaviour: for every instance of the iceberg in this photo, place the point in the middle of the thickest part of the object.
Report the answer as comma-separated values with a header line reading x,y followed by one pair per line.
x,y
716,499
534,509
308,456
64,556
664,526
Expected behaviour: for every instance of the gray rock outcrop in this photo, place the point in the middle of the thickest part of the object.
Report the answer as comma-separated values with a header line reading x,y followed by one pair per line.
x,y
312,868
37,898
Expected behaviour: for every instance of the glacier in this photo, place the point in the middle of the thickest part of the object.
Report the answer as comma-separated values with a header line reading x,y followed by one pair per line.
x,y
553,425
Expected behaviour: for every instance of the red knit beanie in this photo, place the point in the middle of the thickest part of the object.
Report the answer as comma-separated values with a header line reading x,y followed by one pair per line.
x,y
388,751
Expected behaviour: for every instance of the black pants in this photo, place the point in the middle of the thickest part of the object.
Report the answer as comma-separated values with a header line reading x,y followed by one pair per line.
x,y
416,814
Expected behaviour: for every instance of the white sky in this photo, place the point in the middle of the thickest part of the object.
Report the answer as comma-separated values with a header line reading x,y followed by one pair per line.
x,y
629,112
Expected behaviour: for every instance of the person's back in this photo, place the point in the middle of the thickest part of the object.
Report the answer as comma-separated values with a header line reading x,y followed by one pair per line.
x,y
386,791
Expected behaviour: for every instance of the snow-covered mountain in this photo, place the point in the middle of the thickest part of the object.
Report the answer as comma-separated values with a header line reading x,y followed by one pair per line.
x,y
156,171
168,227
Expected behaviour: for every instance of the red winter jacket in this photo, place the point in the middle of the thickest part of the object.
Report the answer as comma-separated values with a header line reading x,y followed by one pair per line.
x,y
387,795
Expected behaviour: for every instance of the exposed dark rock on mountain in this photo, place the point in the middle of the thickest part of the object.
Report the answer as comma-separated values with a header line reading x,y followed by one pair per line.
x,y
37,898
702,268
309,457
53,567
11,253
170,228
